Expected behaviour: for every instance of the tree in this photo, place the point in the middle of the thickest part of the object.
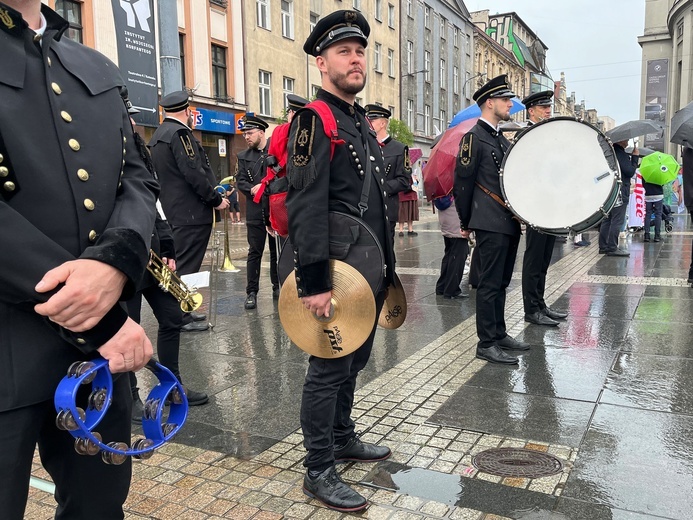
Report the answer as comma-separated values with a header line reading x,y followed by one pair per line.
x,y
400,132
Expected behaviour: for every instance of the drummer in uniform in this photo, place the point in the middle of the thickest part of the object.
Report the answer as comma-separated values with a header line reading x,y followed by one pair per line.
x,y
316,185
397,163
481,209
539,246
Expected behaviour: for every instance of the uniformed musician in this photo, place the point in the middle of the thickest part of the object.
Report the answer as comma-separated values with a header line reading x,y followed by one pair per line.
x,y
481,209
68,257
317,184
188,194
251,168
397,163
539,246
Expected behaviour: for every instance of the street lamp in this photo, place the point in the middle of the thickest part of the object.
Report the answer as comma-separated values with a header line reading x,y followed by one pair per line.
x,y
464,86
414,73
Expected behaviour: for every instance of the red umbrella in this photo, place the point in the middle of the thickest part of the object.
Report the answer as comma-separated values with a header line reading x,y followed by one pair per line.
x,y
439,172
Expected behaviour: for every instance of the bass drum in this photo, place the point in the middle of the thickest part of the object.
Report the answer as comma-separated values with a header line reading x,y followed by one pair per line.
x,y
351,241
561,176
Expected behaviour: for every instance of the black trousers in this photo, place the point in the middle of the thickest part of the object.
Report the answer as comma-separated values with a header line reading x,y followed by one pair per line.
x,y
613,222
328,397
191,244
497,254
169,315
452,266
474,271
535,265
85,487
257,236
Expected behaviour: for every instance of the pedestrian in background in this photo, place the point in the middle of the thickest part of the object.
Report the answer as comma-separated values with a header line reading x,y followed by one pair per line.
x,y
456,250
687,181
68,258
234,205
654,197
409,207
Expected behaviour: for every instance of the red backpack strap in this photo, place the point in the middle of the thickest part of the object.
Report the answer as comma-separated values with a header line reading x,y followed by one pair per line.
x,y
329,123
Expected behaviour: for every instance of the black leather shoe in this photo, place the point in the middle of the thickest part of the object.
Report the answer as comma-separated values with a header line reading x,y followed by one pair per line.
x,y
198,316
412,233
494,354
195,326
457,296
196,398
539,318
603,252
137,409
508,343
554,314
275,293
355,450
618,252
646,238
332,491
657,239
251,301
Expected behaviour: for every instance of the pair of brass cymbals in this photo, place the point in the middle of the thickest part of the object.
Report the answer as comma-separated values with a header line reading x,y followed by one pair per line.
x,y
351,318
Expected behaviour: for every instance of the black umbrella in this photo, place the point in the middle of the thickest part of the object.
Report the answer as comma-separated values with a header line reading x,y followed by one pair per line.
x,y
682,126
633,129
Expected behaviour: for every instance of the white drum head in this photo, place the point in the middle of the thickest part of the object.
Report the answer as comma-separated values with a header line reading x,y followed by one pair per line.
x,y
559,173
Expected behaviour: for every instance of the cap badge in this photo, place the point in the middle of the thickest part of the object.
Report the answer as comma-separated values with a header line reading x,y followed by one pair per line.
x,y
350,16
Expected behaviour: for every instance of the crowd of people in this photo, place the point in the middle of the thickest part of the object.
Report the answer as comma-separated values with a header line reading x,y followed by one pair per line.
x,y
74,287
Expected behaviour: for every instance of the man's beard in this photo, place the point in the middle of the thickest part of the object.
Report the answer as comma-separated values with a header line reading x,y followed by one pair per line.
x,y
502,116
340,81
191,120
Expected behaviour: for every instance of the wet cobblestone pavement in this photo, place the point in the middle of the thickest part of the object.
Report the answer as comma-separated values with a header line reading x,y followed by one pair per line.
x,y
608,392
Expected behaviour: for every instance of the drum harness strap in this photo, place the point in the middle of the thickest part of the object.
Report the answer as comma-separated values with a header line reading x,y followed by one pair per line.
x,y
493,195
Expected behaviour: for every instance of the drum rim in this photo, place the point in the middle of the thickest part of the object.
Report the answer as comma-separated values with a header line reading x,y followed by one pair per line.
x,y
603,209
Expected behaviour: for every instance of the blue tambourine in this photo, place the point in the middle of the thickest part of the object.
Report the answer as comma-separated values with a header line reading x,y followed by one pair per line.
x,y
80,422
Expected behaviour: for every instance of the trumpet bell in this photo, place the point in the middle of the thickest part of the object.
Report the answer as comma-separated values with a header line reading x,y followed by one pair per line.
x,y
192,303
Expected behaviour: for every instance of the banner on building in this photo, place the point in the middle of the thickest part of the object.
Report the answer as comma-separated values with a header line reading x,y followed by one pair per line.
x,y
216,121
636,207
656,99
136,38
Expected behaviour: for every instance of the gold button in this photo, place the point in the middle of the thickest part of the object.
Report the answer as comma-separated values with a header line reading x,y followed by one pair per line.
x,y
4,172
37,37
83,174
49,61
92,235
56,88
66,116
74,144
125,139
81,341
9,186
1,158
124,151
88,204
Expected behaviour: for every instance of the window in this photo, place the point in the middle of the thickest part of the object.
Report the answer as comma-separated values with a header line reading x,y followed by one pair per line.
x,y
455,36
427,17
410,57
357,5
410,114
443,27
359,101
443,119
263,14
377,57
391,63
313,21
455,80
314,90
427,65
219,71
288,89
72,12
265,89
391,16
443,79
391,109
379,10
427,120
409,9
181,44
288,19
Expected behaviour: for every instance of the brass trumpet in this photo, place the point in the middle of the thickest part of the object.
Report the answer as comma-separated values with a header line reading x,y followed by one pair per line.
x,y
190,300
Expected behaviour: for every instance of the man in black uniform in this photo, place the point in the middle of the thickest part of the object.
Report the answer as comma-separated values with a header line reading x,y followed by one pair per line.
x,y
188,194
482,210
316,185
397,164
67,257
539,248
251,168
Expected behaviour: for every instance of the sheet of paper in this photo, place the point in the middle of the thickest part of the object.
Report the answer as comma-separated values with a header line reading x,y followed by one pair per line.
x,y
198,280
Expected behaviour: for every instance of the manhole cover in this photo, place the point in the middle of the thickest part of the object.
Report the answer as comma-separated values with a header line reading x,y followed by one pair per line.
x,y
517,462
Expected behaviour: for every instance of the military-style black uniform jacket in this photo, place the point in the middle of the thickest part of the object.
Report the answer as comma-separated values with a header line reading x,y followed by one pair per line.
x,y
187,181
72,185
397,174
251,168
481,154
317,185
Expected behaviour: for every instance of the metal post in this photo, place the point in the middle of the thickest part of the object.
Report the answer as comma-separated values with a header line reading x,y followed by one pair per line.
x,y
169,47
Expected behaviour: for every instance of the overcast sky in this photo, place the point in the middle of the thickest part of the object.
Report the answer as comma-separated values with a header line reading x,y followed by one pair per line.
x,y
595,42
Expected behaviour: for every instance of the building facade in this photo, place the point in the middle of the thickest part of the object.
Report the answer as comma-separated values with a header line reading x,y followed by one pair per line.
x,y
667,65
437,42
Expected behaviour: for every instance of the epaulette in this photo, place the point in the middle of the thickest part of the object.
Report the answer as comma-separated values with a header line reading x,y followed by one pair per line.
x,y
407,159
301,171
465,154
186,141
